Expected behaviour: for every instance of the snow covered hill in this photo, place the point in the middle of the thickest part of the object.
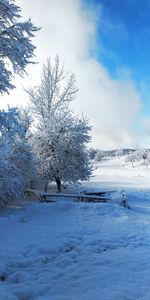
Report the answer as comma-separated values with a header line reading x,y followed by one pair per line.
x,y
80,251
117,173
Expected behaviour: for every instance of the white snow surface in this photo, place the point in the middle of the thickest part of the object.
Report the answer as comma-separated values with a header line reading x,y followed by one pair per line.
x,y
80,251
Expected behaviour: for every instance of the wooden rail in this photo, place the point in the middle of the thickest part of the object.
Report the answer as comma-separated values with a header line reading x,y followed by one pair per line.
x,y
80,197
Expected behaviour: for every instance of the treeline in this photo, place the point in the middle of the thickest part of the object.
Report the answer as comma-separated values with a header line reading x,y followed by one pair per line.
x,y
130,155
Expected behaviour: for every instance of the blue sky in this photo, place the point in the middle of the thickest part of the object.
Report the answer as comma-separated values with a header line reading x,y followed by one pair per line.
x,y
124,38
106,44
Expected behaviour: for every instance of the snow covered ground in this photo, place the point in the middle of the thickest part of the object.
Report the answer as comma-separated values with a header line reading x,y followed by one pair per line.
x,y
80,251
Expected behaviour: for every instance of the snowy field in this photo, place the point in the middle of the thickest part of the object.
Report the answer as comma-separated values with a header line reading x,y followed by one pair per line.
x,y
80,251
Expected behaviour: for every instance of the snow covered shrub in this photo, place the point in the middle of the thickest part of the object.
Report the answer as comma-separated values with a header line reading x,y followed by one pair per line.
x,y
12,183
121,198
16,161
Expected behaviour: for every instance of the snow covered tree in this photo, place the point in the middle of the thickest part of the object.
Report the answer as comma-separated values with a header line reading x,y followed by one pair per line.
x,y
92,153
60,138
142,154
55,92
16,48
25,158
132,157
26,120
99,155
61,150
119,153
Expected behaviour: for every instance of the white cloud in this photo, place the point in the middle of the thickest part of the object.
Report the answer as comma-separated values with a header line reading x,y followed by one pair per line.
x,y
68,30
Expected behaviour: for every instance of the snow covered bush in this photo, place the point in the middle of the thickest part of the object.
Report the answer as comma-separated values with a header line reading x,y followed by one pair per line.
x,y
16,159
121,198
11,181
16,47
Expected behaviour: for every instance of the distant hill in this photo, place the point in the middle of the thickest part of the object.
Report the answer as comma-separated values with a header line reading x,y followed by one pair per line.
x,y
113,152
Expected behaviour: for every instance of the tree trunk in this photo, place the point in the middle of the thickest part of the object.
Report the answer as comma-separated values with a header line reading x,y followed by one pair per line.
x,y
58,182
46,187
